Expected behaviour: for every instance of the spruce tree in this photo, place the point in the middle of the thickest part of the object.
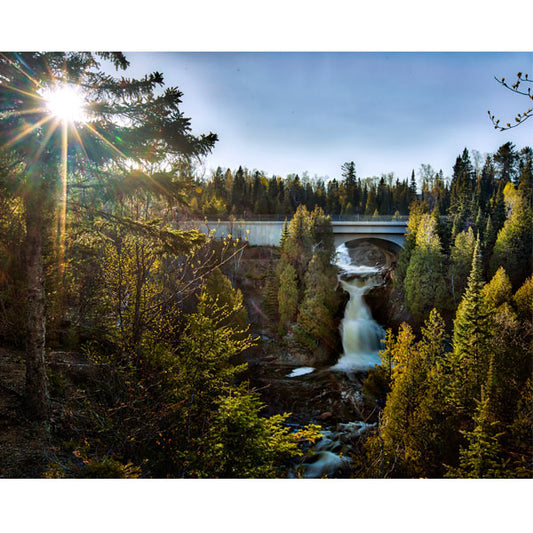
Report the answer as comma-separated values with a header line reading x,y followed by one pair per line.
x,y
219,184
371,202
462,187
489,238
461,262
412,185
284,234
333,205
471,339
238,192
525,177
506,159
350,185
480,457
498,210
486,183
479,224
287,294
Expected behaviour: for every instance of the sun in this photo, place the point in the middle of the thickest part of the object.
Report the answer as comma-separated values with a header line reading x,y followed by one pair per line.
x,y
66,103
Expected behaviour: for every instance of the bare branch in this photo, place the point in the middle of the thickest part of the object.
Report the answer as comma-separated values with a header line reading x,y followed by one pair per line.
x,y
521,117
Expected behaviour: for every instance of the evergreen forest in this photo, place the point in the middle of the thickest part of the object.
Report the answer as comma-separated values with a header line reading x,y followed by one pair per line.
x,y
135,346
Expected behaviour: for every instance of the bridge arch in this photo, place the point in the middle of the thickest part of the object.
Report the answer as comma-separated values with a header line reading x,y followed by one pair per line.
x,y
392,242
371,251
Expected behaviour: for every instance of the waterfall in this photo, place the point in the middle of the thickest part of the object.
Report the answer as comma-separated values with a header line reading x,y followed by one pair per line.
x,y
361,334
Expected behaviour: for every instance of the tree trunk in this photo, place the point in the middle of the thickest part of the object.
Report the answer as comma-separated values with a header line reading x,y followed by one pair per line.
x,y
36,393
139,283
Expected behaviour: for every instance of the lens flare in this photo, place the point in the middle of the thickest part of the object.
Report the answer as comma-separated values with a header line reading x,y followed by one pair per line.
x,y
66,103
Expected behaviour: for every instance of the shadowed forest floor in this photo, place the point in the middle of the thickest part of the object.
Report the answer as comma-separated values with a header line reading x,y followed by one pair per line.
x,y
24,445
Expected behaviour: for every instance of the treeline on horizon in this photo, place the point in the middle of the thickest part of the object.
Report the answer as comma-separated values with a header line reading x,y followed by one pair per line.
x,y
243,192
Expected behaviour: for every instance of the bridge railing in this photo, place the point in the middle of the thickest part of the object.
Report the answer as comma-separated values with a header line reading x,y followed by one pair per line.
x,y
281,218
369,218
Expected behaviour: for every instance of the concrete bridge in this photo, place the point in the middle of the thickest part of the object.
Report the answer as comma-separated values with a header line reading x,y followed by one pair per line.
x,y
345,229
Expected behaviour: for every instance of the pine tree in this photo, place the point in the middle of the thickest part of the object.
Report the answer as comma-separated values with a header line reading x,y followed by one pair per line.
x,y
471,339
242,443
371,202
287,293
238,192
284,234
486,183
412,185
323,241
307,245
462,187
480,458
506,159
333,205
461,262
498,210
350,185
489,238
525,178
219,184
479,224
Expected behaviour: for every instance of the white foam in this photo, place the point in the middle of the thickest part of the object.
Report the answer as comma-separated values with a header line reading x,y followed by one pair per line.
x,y
355,428
325,464
344,262
358,361
301,371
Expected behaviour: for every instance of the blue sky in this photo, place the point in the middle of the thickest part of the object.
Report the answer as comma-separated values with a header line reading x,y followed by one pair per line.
x,y
290,112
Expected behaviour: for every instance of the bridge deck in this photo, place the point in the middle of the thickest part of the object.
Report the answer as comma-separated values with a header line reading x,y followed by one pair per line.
x,y
268,232
282,218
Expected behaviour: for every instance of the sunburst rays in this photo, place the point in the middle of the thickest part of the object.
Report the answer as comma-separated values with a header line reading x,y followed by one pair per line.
x,y
62,211
37,114
57,105
29,128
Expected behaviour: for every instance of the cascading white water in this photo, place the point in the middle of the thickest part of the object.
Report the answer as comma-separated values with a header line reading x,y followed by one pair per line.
x,y
361,334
